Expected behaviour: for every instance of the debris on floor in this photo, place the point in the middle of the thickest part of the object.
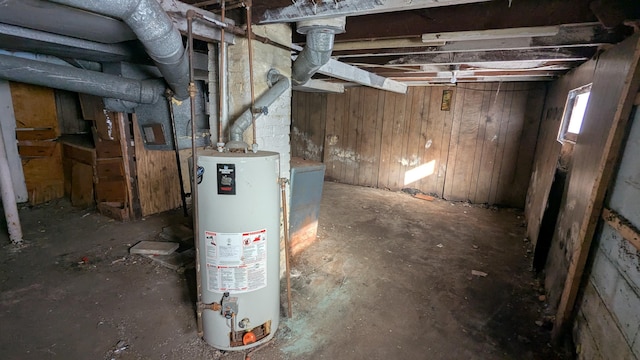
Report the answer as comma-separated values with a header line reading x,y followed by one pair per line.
x,y
424,197
154,248
479,273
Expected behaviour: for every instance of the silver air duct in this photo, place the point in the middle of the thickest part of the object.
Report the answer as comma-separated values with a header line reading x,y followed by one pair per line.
x,y
78,80
317,51
154,29
279,84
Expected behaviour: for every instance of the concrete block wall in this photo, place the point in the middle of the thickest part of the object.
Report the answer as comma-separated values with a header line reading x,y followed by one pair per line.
x,y
607,324
272,130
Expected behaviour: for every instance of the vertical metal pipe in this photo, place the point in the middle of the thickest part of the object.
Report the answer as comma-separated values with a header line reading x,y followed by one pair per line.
x,y
9,197
183,196
253,98
287,250
194,174
222,83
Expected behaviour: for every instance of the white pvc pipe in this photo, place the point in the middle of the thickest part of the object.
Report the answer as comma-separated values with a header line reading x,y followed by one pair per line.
x,y
9,197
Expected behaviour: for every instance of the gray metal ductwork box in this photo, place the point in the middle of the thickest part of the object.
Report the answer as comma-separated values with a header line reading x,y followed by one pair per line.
x,y
307,179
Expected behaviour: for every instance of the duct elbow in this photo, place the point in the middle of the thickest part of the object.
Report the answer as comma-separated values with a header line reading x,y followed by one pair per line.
x,y
316,53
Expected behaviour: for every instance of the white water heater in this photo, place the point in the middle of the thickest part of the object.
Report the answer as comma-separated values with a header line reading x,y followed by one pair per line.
x,y
239,247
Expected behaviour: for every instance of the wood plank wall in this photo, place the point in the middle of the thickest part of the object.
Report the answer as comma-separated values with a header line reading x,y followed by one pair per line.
x,y
158,186
549,149
35,112
480,151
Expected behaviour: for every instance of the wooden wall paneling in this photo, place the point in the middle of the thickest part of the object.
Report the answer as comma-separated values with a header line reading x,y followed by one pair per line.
x,y
411,159
158,185
386,136
317,110
402,159
615,84
360,136
531,126
457,110
436,133
487,97
338,153
368,136
397,137
330,137
502,141
35,107
506,176
342,105
379,117
492,121
429,139
347,155
351,120
548,148
81,192
463,143
44,177
133,201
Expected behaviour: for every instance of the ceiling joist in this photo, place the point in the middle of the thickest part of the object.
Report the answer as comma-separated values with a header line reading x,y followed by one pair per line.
x,y
297,10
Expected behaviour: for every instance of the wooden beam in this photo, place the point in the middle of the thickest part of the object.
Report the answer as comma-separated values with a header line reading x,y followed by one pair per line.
x,y
479,16
622,226
177,11
579,35
307,9
637,101
492,34
385,44
350,73
314,85
619,60
577,54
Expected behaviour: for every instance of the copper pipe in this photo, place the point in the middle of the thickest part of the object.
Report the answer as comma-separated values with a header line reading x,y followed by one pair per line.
x,y
221,77
183,196
235,30
194,174
253,97
287,255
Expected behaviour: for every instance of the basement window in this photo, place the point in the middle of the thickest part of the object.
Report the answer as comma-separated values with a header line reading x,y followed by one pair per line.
x,y
574,110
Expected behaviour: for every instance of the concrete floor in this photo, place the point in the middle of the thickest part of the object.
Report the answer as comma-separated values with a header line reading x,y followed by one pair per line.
x,y
390,277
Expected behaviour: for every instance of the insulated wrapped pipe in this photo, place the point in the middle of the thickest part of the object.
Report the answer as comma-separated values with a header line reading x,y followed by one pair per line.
x,y
78,80
156,32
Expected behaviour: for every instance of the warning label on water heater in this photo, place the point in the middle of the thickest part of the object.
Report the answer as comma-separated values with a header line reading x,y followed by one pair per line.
x,y
236,261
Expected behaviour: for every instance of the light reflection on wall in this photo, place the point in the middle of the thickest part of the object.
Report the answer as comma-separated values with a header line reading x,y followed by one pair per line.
x,y
420,172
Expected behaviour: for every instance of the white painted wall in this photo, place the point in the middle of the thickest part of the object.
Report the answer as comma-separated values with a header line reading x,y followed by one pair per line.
x,y
608,321
8,131
272,130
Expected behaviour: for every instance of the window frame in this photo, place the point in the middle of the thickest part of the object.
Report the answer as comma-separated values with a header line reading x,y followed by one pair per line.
x,y
563,134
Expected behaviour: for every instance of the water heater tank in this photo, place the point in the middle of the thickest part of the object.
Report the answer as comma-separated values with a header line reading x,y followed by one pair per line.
x,y
239,247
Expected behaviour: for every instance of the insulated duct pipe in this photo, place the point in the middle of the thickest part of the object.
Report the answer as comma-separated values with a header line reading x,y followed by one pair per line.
x,y
9,197
317,51
154,29
78,80
280,85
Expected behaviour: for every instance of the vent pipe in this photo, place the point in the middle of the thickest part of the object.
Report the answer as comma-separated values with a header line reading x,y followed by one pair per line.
x,y
317,51
279,84
154,29
78,80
